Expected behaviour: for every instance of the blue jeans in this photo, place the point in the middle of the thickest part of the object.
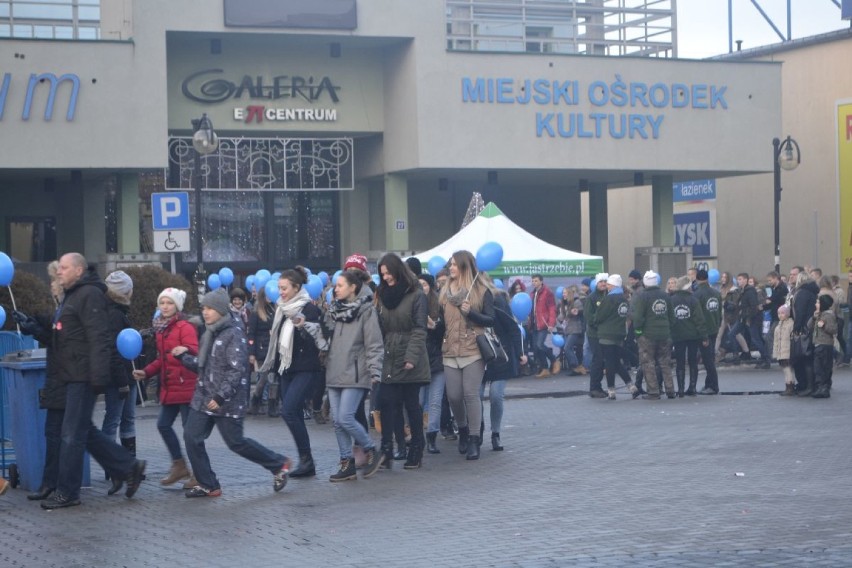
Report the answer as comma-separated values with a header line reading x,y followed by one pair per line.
x,y
431,401
78,433
168,414
543,354
120,413
343,403
294,389
572,340
198,428
496,397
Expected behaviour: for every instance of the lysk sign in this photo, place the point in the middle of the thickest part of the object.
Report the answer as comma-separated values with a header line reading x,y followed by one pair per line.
x,y
694,230
170,211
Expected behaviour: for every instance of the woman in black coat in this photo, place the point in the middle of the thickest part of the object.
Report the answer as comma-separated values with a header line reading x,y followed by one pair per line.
x,y
804,299
498,372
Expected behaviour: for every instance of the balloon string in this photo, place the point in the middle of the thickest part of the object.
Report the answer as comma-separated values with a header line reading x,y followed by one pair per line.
x,y
472,284
138,385
14,307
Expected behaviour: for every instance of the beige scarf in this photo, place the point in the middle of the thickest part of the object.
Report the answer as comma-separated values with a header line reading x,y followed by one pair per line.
x,y
284,324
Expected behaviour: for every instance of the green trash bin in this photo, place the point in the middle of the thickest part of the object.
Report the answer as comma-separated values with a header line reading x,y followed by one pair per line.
x,y
23,374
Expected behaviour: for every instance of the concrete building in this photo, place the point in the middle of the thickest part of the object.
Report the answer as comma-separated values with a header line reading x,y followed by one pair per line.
x,y
366,126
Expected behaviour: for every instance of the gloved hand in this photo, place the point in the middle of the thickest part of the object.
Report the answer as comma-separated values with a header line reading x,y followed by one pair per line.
x,y
28,324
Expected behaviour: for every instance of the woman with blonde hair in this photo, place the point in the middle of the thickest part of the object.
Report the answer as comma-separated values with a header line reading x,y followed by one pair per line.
x,y
468,307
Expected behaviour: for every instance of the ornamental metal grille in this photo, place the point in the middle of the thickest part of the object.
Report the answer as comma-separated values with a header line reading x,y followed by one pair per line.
x,y
265,164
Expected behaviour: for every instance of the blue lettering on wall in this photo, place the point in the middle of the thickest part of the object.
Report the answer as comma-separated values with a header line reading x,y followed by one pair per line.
x,y
693,229
696,190
53,83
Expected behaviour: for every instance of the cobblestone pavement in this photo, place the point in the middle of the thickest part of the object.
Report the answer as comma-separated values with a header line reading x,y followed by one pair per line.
x,y
582,482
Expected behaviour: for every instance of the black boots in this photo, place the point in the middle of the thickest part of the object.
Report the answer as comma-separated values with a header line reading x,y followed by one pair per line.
x,y
387,450
495,442
415,456
129,444
473,448
431,447
345,472
306,466
692,384
464,439
680,380
254,405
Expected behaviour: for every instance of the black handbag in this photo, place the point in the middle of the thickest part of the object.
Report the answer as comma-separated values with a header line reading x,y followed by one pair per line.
x,y
801,345
490,347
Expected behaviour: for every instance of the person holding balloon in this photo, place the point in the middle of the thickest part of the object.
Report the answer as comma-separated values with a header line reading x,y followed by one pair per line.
x,y
176,382
293,355
468,307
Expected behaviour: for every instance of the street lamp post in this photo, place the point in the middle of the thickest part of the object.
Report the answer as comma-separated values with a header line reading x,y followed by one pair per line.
x,y
204,141
783,157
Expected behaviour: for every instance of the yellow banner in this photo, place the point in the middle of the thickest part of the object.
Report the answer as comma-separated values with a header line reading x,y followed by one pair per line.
x,y
844,169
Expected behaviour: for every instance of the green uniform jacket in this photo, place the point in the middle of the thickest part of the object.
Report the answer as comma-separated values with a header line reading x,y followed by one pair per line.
x,y
688,317
711,304
653,314
611,318
593,300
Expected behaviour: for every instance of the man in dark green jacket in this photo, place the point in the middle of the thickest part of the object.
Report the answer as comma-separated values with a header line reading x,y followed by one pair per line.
x,y
589,310
711,304
652,320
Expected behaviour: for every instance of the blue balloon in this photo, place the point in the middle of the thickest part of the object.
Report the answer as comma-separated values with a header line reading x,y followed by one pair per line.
x,y
521,306
7,269
261,278
499,284
329,296
559,291
275,276
314,286
435,265
213,282
489,256
334,277
226,276
558,339
713,276
2,316
271,289
250,283
376,279
129,343
324,277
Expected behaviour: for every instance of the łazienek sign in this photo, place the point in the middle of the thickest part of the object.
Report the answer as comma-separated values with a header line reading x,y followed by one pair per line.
x,y
627,110
209,86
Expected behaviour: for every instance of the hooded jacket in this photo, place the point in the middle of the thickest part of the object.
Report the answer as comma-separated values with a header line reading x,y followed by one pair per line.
x,y
357,350
404,329
177,383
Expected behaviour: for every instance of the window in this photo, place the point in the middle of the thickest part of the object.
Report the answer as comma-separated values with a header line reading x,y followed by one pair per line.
x,y
32,239
50,19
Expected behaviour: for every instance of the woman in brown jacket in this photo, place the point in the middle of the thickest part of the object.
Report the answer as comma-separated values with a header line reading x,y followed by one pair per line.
x,y
468,307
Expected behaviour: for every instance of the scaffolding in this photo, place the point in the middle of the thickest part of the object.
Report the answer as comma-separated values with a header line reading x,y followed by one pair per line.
x,y
592,27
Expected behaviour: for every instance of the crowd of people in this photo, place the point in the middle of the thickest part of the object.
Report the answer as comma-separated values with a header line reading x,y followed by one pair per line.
x,y
418,350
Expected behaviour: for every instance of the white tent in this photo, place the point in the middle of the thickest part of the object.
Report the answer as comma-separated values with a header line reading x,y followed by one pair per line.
x,y
523,253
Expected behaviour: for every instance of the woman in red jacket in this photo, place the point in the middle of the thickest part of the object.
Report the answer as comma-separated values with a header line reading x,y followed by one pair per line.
x,y
177,384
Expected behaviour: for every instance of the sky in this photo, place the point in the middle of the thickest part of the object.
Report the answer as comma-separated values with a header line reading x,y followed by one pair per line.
x,y
702,25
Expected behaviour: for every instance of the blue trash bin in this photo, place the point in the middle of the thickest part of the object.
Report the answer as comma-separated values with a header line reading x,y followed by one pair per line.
x,y
23,376
10,342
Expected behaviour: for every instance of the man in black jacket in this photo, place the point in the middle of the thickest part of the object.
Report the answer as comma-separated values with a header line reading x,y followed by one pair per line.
x,y
81,343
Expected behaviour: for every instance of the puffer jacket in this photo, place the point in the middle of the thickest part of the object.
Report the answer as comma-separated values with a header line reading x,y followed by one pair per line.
x,y
824,335
404,329
224,377
356,353
81,335
460,331
177,383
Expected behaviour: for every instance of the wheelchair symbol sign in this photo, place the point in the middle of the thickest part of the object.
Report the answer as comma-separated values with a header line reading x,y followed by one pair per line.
x,y
171,241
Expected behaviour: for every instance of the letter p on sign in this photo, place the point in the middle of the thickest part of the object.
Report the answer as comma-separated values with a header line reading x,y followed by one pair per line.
x,y
170,211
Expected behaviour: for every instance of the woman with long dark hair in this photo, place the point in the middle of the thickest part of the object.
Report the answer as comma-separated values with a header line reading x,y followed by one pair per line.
x,y
294,356
403,312
468,307
257,335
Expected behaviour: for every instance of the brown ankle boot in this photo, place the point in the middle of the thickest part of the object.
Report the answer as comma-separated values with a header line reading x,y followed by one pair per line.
x,y
789,390
177,473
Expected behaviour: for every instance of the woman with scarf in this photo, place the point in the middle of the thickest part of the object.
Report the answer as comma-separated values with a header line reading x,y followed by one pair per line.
x,y
354,364
403,313
177,383
294,356
468,307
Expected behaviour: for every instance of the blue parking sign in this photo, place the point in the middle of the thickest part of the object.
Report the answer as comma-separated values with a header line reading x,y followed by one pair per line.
x,y
170,211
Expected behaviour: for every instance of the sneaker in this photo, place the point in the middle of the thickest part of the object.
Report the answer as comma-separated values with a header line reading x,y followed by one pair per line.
x,y
279,480
634,390
610,394
755,354
134,478
346,471
59,501
708,390
597,393
199,491
375,459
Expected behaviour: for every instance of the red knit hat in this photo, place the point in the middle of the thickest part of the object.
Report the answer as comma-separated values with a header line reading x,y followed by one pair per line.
x,y
358,261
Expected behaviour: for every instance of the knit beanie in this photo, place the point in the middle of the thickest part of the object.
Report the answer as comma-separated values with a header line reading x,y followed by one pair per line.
x,y
358,261
783,310
176,295
601,276
651,278
414,264
825,302
635,274
429,279
614,280
217,300
120,286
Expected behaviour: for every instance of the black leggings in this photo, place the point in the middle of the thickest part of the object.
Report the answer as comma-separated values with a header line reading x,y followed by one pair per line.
x,y
612,361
